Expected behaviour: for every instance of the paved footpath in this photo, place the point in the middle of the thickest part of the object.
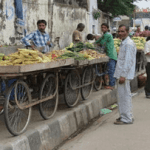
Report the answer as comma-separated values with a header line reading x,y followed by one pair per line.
x,y
48,134
104,135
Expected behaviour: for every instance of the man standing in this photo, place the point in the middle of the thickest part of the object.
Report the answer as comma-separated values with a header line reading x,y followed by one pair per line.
x,y
125,71
146,33
138,32
39,38
147,53
76,37
107,42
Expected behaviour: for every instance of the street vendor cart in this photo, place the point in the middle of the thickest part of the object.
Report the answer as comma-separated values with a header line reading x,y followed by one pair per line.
x,y
19,97
40,84
81,78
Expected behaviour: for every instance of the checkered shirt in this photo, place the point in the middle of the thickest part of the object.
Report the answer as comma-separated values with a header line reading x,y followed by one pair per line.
x,y
37,37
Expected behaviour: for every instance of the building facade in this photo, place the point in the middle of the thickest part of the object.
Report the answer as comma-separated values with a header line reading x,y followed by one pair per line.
x,y
62,18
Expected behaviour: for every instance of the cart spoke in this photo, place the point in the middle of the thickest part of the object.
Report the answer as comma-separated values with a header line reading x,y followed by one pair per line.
x,y
72,91
49,88
16,119
98,79
86,79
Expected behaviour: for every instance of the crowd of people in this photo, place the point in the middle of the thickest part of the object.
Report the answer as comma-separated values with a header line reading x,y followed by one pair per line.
x,y
136,33
145,33
121,68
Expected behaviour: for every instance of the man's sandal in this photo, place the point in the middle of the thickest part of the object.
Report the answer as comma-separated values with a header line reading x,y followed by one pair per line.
x,y
119,119
122,123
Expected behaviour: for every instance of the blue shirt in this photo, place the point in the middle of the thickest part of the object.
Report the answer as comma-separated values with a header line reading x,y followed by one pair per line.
x,y
38,38
126,60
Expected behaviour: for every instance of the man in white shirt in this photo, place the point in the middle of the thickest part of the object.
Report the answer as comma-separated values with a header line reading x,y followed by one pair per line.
x,y
147,54
124,73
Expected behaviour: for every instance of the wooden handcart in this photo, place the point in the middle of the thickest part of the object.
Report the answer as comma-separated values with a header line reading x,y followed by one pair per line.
x,y
23,93
40,84
81,77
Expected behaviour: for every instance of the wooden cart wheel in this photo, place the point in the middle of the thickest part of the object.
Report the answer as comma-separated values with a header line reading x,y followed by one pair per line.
x,y
98,79
16,119
1,94
49,87
71,92
87,77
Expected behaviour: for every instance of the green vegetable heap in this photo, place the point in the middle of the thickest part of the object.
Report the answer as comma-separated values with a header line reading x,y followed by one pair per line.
x,y
75,55
80,46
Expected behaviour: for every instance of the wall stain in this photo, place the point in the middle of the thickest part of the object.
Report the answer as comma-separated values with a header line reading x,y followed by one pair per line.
x,y
12,39
3,17
10,11
76,3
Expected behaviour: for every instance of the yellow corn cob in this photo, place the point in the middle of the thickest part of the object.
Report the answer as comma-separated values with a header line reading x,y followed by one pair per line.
x,y
14,56
39,59
17,61
28,51
32,59
45,61
21,56
9,63
4,62
34,56
30,62
24,53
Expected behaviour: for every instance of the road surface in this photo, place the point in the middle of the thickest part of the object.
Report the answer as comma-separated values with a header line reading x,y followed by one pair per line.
x,y
104,135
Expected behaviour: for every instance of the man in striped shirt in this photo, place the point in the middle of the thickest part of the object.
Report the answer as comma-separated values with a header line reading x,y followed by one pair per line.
x,y
39,38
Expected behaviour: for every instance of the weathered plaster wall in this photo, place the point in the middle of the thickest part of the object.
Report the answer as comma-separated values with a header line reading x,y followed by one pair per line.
x,y
33,10
62,18
74,3
65,21
6,20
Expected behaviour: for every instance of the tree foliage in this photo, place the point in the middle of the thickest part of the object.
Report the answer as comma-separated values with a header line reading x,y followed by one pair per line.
x,y
116,7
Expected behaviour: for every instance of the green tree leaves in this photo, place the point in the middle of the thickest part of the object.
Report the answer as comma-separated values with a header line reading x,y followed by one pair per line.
x,y
116,7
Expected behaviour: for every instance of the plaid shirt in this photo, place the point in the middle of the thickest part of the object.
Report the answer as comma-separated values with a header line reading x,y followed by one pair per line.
x,y
37,37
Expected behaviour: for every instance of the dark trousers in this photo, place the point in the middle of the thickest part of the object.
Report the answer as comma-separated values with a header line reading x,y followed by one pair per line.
x,y
111,70
147,87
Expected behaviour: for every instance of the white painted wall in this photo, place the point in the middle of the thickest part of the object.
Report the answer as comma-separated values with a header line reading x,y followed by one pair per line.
x,y
92,21
65,21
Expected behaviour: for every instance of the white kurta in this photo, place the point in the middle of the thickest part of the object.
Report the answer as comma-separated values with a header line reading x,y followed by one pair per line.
x,y
147,50
125,68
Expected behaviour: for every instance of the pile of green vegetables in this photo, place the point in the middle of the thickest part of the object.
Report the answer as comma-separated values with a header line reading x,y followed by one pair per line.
x,y
75,55
80,46
3,57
